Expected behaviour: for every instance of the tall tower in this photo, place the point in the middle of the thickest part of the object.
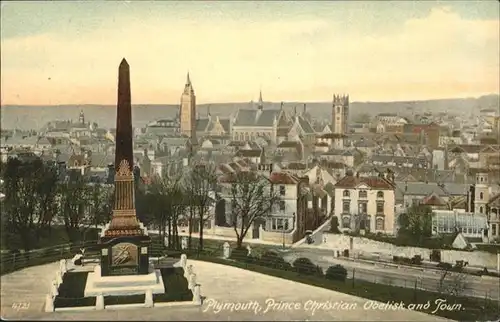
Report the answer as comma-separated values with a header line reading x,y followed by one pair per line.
x,y
260,104
340,114
481,193
188,110
81,118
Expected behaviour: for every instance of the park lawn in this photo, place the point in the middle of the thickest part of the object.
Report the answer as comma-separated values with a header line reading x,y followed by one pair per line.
x,y
71,291
176,286
471,309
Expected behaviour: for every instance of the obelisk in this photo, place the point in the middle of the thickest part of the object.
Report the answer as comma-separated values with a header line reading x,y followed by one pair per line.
x,y
123,138
125,242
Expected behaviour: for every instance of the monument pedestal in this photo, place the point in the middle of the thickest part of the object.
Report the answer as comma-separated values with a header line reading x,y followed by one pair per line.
x,y
128,255
124,284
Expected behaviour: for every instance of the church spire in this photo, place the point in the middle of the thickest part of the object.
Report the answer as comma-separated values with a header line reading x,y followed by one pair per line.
x,y
188,80
260,105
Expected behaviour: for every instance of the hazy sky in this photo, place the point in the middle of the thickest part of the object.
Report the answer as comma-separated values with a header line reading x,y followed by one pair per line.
x,y
69,52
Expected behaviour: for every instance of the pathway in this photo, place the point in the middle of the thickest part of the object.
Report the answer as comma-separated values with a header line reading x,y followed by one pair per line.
x,y
219,284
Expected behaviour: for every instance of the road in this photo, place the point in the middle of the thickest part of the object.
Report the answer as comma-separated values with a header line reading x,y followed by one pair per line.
x,y
390,274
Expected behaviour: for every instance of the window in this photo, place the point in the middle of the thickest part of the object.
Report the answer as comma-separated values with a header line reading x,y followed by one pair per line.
x,y
379,224
282,190
367,223
282,205
380,207
493,229
346,207
346,193
380,194
346,222
481,209
363,194
481,195
338,109
362,208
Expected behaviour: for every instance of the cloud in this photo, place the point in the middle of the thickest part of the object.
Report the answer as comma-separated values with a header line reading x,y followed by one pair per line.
x,y
291,59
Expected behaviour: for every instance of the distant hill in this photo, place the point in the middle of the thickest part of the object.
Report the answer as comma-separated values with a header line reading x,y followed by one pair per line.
x,y
34,117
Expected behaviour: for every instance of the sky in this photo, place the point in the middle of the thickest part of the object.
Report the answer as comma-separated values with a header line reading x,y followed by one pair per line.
x,y
68,52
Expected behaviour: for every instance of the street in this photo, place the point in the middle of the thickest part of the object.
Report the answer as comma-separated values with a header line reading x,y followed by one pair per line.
x,y
382,273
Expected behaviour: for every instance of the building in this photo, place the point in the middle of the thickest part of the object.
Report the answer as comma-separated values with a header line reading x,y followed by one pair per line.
x,y
340,116
250,124
285,223
471,225
188,110
493,212
365,203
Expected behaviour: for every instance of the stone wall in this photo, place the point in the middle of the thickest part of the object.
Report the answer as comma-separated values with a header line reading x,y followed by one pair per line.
x,y
221,231
276,237
360,246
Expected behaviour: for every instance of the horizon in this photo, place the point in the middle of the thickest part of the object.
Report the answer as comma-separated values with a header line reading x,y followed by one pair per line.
x,y
67,53
268,102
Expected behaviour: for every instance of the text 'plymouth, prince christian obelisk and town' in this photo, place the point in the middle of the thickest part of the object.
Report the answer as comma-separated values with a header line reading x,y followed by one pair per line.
x,y
124,241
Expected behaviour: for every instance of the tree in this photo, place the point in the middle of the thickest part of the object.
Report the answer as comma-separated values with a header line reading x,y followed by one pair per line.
x,y
30,189
416,223
251,197
100,203
200,188
73,211
168,202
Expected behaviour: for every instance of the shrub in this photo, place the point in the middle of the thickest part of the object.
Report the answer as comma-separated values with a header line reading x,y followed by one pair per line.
x,y
334,225
337,273
445,266
305,266
274,260
239,253
416,260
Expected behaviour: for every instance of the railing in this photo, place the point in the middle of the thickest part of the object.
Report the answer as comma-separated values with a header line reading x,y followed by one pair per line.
x,y
356,281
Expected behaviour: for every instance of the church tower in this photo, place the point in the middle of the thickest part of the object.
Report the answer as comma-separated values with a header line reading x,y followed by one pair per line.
x,y
188,110
81,118
340,114
481,193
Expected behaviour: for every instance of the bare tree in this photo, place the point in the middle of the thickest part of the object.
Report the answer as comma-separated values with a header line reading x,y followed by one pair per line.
x,y
168,203
455,285
73,196
200,188
100,203
251,197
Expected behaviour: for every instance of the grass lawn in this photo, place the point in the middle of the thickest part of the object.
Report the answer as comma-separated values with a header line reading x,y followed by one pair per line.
x,y
71,291
467,309
125,299
176,286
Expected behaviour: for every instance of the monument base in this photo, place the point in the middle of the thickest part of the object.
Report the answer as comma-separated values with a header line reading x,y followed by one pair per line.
x,y
123,284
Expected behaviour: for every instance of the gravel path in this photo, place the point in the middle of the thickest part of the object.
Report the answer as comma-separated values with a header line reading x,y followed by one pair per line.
x,y
223,286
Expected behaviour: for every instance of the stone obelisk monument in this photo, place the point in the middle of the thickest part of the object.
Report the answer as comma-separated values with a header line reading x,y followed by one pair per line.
x,y
124,240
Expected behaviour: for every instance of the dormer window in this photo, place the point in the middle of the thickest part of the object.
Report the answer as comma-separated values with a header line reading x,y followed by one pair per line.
x,y
380,194
346,193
